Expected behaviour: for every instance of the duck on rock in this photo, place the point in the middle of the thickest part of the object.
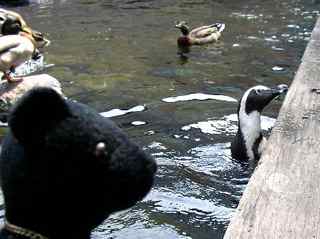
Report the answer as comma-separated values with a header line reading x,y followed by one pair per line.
x,y
16,49
12,22
199,36
249,142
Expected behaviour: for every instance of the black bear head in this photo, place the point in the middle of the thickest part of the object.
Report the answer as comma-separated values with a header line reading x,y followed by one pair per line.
x,y
64,168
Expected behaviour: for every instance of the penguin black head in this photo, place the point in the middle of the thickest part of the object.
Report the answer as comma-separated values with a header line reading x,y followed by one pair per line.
x,y
258,97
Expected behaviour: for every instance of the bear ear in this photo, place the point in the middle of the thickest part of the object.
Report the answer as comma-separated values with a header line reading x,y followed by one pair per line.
x,y
35,113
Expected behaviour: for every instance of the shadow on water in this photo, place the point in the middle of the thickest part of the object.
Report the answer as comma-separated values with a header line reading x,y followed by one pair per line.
x,y
122,55
183,54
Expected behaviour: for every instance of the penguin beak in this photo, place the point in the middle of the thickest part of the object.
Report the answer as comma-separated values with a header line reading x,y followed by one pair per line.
x,y
265,96
283,88
279,90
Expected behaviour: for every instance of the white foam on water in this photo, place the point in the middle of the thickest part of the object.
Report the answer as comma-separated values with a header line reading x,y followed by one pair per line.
x,y
277,48
119,112
271,39
209,159
31,66
3,124
285,35
277,68
232,117
198,96
226,125
138,123
253,38
293,26
247,16
156,145
150,132
213,127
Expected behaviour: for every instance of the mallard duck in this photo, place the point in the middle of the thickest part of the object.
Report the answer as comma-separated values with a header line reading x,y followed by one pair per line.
x,y
199,36
12,22
16,49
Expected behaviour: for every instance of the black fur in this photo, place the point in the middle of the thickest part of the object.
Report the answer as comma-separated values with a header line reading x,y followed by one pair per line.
x,y
52,180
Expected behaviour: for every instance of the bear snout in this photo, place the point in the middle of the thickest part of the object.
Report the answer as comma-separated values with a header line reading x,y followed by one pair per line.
x,y
129,158
134,171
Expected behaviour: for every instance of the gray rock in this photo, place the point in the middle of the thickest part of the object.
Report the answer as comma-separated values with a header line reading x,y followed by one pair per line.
x,y
11,92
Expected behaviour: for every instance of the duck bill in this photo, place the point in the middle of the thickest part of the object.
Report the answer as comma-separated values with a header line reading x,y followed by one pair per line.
x,y
46,42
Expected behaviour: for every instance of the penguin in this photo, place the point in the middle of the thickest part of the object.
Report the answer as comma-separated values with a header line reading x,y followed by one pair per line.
x,y
249,142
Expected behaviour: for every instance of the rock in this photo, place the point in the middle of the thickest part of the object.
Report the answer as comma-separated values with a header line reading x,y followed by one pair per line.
x,y
11,92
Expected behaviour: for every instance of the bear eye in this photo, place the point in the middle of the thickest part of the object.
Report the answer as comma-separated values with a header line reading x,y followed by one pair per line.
x,y
101,149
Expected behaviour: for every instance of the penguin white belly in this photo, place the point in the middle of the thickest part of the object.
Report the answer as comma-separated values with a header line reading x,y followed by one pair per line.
x,y
250,128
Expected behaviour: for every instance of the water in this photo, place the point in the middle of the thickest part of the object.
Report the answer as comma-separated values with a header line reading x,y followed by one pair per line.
x,y
121,54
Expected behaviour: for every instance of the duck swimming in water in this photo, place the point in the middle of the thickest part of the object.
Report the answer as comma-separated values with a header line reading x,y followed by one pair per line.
x,y
199,36
16,49
249,142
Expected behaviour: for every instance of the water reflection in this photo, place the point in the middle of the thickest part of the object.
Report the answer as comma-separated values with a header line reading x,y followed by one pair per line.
x,y
183,54
193,189
138,222
167,201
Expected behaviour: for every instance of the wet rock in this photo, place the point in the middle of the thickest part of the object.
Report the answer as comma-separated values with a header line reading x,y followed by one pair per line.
x,y
11,92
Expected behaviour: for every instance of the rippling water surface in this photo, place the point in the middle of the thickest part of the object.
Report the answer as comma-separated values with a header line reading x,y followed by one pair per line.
x,y
120,57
